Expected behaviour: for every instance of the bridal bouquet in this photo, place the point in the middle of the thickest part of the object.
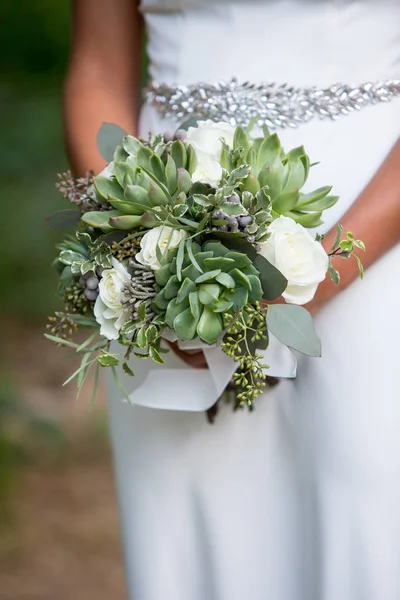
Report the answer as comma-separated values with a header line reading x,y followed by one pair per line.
x,y
191,237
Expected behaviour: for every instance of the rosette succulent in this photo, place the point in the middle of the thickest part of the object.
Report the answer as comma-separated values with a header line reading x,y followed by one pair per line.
x,y
145,184
195,289
272,183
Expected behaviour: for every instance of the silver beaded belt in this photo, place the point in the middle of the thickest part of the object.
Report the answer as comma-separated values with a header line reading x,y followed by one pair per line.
x,y
274,105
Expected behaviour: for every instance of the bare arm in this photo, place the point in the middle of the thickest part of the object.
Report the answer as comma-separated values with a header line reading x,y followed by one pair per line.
x,y
373,218
102,83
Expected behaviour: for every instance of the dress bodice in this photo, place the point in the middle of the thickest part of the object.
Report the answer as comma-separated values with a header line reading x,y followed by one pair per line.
x,y
303,42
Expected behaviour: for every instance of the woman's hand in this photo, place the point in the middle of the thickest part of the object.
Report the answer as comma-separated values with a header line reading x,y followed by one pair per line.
x,y
193,358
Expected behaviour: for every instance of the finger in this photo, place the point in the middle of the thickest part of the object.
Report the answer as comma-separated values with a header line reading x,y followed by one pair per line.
x,y
196,359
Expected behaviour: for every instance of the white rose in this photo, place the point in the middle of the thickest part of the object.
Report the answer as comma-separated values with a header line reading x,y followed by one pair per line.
x,y
162,237
108,309
207,170
301,259
206,138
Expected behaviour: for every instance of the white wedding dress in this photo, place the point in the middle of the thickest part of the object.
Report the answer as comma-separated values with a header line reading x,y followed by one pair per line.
x,y
299,500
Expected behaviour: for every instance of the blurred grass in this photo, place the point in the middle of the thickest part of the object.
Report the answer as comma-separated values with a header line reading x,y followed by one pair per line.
x,y
34,41
34,38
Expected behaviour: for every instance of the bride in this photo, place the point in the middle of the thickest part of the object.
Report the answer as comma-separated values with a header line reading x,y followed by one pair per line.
x,y
301,499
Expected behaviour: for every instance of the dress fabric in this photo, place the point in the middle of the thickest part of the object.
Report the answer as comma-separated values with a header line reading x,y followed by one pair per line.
x,y
299,500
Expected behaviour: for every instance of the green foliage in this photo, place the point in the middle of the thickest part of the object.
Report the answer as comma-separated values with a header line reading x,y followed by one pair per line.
x,y
345,249
82,255
17,423
245,332
294,327
195,291
279,177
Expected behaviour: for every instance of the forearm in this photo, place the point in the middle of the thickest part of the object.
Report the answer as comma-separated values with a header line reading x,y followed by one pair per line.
x,y
375,219
89,101
102,83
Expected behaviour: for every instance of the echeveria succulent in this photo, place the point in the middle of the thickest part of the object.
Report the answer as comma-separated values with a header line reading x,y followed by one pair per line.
x,y
211,280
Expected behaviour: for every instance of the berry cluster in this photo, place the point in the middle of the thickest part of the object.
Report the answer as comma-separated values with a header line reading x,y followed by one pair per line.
x,y
234,224
90,282
180,134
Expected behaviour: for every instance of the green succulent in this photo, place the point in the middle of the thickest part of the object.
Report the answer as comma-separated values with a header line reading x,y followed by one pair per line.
x,y
276,177
195,289
148,185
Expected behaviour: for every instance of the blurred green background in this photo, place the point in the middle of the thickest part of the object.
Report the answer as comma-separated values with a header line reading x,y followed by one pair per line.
x,y
35,40
57,503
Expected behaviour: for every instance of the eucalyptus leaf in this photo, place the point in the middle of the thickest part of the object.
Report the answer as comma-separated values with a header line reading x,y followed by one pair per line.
x,y
272,281
108,138
63,219
294,327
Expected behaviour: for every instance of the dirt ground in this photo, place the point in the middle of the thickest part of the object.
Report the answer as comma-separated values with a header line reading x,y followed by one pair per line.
x,y
60,538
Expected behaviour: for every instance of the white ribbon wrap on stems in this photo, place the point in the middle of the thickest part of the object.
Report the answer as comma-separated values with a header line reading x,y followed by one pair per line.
x,y
176,386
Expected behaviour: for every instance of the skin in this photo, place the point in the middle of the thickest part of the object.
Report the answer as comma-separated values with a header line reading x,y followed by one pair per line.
x,y
102,85
379,229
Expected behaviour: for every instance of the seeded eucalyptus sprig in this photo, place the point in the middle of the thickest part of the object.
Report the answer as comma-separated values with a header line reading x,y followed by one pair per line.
x,y
247,331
